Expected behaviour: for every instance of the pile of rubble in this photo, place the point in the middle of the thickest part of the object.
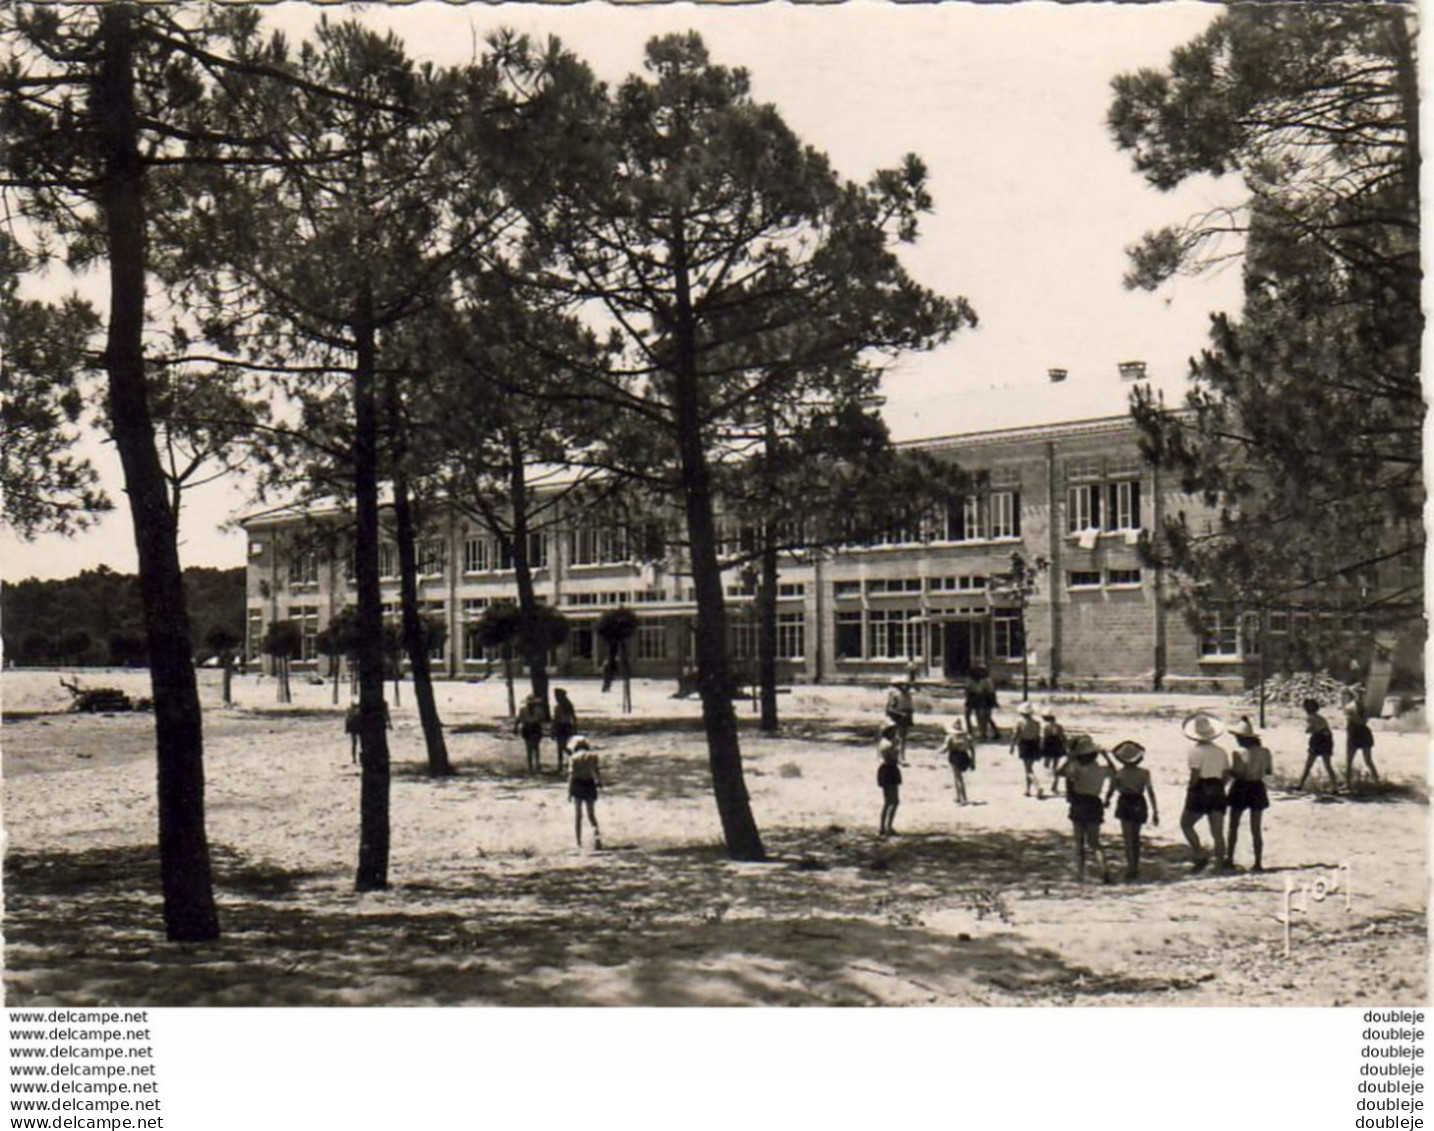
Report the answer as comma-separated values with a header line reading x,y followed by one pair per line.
x,y
1295,688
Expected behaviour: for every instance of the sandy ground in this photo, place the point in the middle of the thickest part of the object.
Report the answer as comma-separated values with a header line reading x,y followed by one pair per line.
x,y
492,903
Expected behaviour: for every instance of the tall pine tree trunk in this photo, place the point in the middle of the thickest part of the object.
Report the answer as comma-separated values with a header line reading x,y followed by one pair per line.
x,y
413,635
373,731
535,657
724,753
189,910
767,631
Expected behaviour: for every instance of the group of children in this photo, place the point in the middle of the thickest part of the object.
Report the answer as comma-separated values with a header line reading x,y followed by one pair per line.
x,y
1220,782
584,773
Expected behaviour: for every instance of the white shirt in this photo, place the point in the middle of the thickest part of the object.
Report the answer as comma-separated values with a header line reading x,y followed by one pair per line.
x,y
1209,760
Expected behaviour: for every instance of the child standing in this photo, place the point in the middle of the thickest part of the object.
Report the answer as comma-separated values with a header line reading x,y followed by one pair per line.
x,y
888,777
1250,764
961,754
1321,743
529,725
901,713
1205,794
565,724
1357,737
1085,780
1026,741
584,781
1053,747
1132,781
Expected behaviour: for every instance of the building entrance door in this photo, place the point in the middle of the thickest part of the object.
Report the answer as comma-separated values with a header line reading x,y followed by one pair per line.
x,y
966,643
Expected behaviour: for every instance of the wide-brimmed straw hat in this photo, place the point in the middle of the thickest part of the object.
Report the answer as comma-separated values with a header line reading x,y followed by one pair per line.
x,y
1243,729
1202,727
579,742
1128,752
1026,709
956,726
896,681
1082,746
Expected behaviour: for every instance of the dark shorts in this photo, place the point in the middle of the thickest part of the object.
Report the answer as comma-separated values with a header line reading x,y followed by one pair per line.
x,y
1028,749
582,789
561,734
888,775
532,734
960,760
891,794
1206,796
1132,807
1358,737
1086,809
1248,795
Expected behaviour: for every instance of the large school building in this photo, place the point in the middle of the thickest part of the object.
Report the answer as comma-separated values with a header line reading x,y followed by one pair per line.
x,y
926,597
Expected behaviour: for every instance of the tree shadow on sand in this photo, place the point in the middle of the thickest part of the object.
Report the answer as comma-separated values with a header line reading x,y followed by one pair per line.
x,y
835,918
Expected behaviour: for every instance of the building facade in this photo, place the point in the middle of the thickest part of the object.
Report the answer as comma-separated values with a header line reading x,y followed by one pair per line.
x,y
926,597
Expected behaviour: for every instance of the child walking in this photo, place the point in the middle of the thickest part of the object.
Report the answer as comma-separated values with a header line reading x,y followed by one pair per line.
x,y
1026,740
565,724
888,777
529,725
1053,748
961,754
584,781
1321,743
1250,764
1085,780
1133,783
1357,738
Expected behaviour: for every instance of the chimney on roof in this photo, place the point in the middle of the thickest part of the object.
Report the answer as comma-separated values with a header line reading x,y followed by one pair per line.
x,y
1132,371
1057,375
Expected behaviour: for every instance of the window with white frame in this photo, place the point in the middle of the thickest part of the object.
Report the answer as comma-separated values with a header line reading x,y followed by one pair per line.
x,y
894,634
973,519
477,554
387,559
537,550
791,636
307,618
1006,640
598,544
652,641
1005,513
436,612
304,567
1083,579
1220,635
741,639
1122,578
1122,510
1083,507
255,646
432,557
848,634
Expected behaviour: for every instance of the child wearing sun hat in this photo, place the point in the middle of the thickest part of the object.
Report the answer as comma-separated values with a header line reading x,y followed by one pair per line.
x,y
1085,779
961,754
1026,741
1133,784
584,781
1250,764
1205,794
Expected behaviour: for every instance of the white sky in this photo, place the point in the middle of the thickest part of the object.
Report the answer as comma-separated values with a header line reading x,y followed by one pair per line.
x,y
1034,206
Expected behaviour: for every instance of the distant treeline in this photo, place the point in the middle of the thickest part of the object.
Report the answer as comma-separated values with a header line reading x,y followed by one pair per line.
x,y
96,618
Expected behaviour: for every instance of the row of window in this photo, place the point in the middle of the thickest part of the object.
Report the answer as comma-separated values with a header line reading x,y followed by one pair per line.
x,y
980,518
881,586
1109,579
907,634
